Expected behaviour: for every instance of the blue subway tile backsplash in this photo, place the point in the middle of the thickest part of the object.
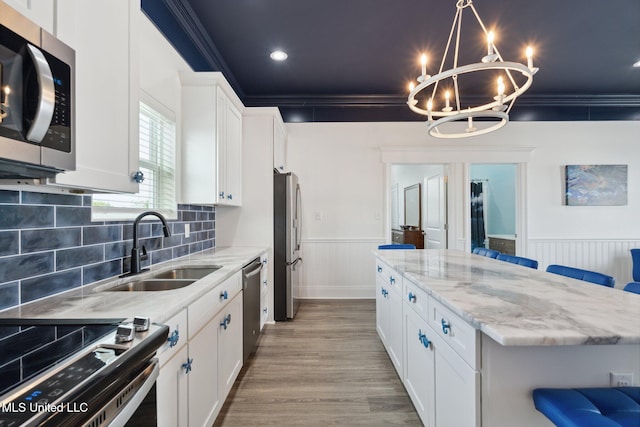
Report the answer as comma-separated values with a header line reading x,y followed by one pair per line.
x,y
49,245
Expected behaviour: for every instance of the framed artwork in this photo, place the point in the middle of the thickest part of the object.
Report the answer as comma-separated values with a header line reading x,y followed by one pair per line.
x,y
596,185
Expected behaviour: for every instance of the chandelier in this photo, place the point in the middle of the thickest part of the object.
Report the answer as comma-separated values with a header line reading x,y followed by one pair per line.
x,y
442,91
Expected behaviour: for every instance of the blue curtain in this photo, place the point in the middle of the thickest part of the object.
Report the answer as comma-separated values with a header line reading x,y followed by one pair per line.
x,y
477,216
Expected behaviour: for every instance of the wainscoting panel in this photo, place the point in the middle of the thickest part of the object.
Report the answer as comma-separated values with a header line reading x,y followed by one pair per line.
x,y
338,268
610,257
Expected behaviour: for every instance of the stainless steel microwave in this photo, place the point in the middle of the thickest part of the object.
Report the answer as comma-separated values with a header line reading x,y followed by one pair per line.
x,y
37,88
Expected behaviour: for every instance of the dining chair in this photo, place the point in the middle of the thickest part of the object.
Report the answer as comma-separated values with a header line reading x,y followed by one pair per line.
x,y
580,274
527,262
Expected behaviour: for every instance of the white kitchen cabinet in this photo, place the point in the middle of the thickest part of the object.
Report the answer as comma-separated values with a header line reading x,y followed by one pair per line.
x,y
264,289
229,345
389,312
40,12
172,389
212,140
105,39
419,366
204,399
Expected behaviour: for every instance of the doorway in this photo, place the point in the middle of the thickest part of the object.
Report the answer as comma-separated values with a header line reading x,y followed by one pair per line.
x,y
493,206
432,182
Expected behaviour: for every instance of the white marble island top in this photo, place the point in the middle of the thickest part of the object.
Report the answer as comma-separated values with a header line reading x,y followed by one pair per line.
x,y
96,302
516,305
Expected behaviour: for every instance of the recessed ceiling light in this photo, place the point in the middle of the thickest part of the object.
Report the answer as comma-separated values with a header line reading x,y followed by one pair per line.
x,y
278,55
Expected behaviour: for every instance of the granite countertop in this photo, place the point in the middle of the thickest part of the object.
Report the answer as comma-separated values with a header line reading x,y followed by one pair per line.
x,y
516,305
94,302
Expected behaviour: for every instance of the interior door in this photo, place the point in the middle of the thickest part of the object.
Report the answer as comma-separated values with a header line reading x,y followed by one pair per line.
x,y
436,212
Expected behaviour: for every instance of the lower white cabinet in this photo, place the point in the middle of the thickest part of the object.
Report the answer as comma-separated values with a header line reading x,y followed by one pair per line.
x,y
202,358
433,350
419,366
171,390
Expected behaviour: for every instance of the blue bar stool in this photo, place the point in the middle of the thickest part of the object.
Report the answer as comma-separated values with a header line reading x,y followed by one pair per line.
x,y
633,287
485,252
398,246
590,407
531,263
586,275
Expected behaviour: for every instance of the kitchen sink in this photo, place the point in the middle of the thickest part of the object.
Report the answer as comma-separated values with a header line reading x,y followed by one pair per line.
x,y
151,285
191,272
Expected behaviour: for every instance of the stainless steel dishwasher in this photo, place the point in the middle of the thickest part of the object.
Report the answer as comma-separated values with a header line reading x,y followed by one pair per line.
x,y
251,306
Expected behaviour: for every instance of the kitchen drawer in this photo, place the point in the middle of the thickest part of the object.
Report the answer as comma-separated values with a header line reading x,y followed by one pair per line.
x,y
202,310
389,276
417,299
177,337
458,334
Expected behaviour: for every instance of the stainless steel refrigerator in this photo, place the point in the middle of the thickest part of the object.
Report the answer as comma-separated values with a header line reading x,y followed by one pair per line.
x,y
286,244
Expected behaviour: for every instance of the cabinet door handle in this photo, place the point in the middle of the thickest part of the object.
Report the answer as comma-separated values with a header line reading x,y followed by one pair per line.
x,y
187,365
384,292
226,321
230,196
423,339
379,269
224,295
265,310
222,194
446,327
412,297
174,338
392,280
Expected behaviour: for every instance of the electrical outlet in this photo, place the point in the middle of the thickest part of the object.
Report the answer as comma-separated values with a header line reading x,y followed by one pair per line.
x,y
621,379
187,231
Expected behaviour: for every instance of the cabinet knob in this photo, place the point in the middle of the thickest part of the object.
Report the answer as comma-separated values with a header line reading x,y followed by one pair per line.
x,y
379,269
187,365
230,196
138,176
446,327
384,292
222,194
265,310
412,297
224,295
392,280
174,338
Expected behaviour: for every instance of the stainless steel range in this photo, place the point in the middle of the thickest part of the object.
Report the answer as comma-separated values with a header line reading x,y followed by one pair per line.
x,y
101,383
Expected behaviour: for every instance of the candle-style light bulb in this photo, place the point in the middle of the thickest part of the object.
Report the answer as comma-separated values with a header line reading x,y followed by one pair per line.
x,y
490,37
423,62
529,53
411,86
7,92
429,108
500,97
447,95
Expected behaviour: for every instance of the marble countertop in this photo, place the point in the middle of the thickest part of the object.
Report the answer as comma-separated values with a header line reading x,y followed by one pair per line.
x,y
516,305
94,302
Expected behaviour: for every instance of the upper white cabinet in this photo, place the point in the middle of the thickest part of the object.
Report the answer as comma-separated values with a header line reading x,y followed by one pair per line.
x,y
104,37
41,12
211,139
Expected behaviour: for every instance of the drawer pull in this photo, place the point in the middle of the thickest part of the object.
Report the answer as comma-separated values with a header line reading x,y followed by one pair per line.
x,y
392,280
446,327
224,295
423,339
187,365
379,269
412,297
174,338
384,292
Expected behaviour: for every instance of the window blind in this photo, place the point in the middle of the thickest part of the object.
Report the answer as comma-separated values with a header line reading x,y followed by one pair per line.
x,y
157,163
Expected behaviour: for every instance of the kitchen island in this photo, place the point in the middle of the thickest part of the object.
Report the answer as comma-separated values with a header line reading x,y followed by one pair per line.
x,y
471,336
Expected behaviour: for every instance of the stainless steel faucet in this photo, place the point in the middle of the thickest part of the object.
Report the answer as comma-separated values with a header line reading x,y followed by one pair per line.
x,y
140,254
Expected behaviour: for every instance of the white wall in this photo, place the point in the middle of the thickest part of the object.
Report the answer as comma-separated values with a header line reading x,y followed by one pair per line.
x,y
345,184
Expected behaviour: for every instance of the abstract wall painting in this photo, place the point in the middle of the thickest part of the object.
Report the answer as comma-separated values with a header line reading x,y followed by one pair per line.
x,y
596,185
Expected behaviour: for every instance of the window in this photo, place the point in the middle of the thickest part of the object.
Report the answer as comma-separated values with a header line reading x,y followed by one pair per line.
x,y
157,163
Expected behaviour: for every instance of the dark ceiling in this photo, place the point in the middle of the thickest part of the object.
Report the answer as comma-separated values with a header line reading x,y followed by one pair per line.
x,y
351,60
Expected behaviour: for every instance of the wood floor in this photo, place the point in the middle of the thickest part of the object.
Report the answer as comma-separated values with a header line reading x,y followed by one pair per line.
x,y
327,367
